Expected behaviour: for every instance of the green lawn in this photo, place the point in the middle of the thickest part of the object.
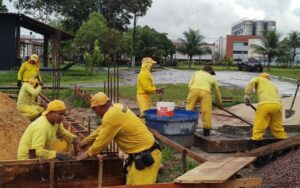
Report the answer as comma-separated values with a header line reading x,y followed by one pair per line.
x,y
284,72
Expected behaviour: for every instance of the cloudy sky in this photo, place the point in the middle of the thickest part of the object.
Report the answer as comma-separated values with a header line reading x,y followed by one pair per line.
x,y
214,18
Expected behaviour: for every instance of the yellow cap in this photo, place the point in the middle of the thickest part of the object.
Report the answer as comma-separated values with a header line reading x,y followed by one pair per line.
x,y
35,58
32,81
99,99
56,105
264,75
148,60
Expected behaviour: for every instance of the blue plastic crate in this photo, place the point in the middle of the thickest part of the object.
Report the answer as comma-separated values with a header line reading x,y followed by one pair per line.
x,y
183,122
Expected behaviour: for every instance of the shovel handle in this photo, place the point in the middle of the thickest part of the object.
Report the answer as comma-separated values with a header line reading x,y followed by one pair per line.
x,y
298,84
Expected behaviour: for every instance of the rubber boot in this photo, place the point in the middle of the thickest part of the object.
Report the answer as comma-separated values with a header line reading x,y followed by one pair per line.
x,y
256,144
261,160
206,132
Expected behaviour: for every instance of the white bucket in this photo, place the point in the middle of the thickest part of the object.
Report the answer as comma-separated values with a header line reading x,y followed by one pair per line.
x,y
165,108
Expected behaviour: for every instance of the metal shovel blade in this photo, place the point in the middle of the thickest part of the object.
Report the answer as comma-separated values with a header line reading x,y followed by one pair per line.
x,y
289,113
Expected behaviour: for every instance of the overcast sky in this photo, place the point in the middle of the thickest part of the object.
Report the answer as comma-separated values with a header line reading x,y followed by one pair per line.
x,y
214,18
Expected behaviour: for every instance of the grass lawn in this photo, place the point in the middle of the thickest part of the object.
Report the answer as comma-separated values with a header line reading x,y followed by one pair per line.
x,y
284,72
177,93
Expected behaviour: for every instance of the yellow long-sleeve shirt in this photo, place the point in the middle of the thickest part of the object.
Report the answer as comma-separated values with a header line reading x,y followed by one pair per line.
x,y
266,90
145,83
40,135
28,70
128,131
205,81
27,94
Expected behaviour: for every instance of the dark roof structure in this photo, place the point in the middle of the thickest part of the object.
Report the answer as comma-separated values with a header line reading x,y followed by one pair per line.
x,y
10,24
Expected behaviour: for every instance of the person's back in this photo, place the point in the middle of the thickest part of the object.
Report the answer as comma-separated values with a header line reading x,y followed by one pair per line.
x,y
129,132
266,90
202,80
268,113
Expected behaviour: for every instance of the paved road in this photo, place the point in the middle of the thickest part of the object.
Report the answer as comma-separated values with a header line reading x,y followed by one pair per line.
x,y
225,78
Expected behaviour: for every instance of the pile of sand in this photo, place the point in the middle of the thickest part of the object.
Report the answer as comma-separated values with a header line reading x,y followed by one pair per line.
x,y
12,126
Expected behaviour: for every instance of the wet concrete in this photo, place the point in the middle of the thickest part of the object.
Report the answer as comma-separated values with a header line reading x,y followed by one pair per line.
x,y
226,78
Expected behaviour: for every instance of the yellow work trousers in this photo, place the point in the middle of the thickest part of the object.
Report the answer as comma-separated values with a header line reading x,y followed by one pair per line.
x,y
204,98
147,175
60,145
144,103
268,115
31,111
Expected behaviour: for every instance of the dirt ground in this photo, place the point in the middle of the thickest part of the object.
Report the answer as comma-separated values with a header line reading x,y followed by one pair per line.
x,y
12,126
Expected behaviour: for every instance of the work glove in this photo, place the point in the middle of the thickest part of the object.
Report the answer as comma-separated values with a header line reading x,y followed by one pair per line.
x,y
62,156
160,91
247,100
19,83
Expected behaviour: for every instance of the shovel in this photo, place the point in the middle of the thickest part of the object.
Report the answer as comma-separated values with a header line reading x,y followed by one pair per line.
x,y
290,112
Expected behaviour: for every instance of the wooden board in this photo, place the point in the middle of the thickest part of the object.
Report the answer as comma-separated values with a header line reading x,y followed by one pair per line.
x,y
215,171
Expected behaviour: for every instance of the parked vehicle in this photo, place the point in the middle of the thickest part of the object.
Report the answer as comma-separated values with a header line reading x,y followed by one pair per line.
x,y
251,65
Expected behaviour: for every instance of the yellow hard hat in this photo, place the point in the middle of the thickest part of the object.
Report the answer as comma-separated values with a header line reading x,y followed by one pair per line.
x,y
99,99
56,105
264,75
32,81
148,60
35,58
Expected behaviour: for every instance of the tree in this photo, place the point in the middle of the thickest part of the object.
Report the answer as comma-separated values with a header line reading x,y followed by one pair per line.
x,y
138,8
270,46
150,43
93,29
2,7
73,12
93,59
292,41
192,44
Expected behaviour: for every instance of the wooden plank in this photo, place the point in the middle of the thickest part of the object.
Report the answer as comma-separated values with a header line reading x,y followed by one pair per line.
x,y
284,144
244,182
215,171
176,146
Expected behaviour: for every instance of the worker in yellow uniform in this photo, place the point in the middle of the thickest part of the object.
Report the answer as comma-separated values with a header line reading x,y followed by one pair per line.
x,y
269,110
27,95
120,124
145,86
29,69
47,135
200,87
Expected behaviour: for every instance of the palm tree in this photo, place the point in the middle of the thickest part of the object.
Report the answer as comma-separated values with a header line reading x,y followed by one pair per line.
x,y
293,41
192,44
270,46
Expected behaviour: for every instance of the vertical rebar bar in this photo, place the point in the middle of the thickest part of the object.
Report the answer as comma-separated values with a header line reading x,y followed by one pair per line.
x,y
183,160
89,125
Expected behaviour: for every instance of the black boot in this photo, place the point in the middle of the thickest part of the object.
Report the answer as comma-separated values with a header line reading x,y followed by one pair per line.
x,y
261,160
206,132
256,144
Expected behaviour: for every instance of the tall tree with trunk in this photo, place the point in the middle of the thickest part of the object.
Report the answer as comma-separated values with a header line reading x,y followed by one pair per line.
x,y
137,8
270,46
192,44
73,12
293,41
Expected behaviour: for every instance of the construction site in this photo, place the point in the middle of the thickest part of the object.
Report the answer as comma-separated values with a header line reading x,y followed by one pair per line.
x,y
191,153
224,159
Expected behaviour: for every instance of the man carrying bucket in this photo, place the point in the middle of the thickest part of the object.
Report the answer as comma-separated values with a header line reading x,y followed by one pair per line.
x,y
200,91
145,86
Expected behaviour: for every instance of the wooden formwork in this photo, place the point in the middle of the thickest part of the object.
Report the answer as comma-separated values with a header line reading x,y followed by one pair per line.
x,y
70,174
